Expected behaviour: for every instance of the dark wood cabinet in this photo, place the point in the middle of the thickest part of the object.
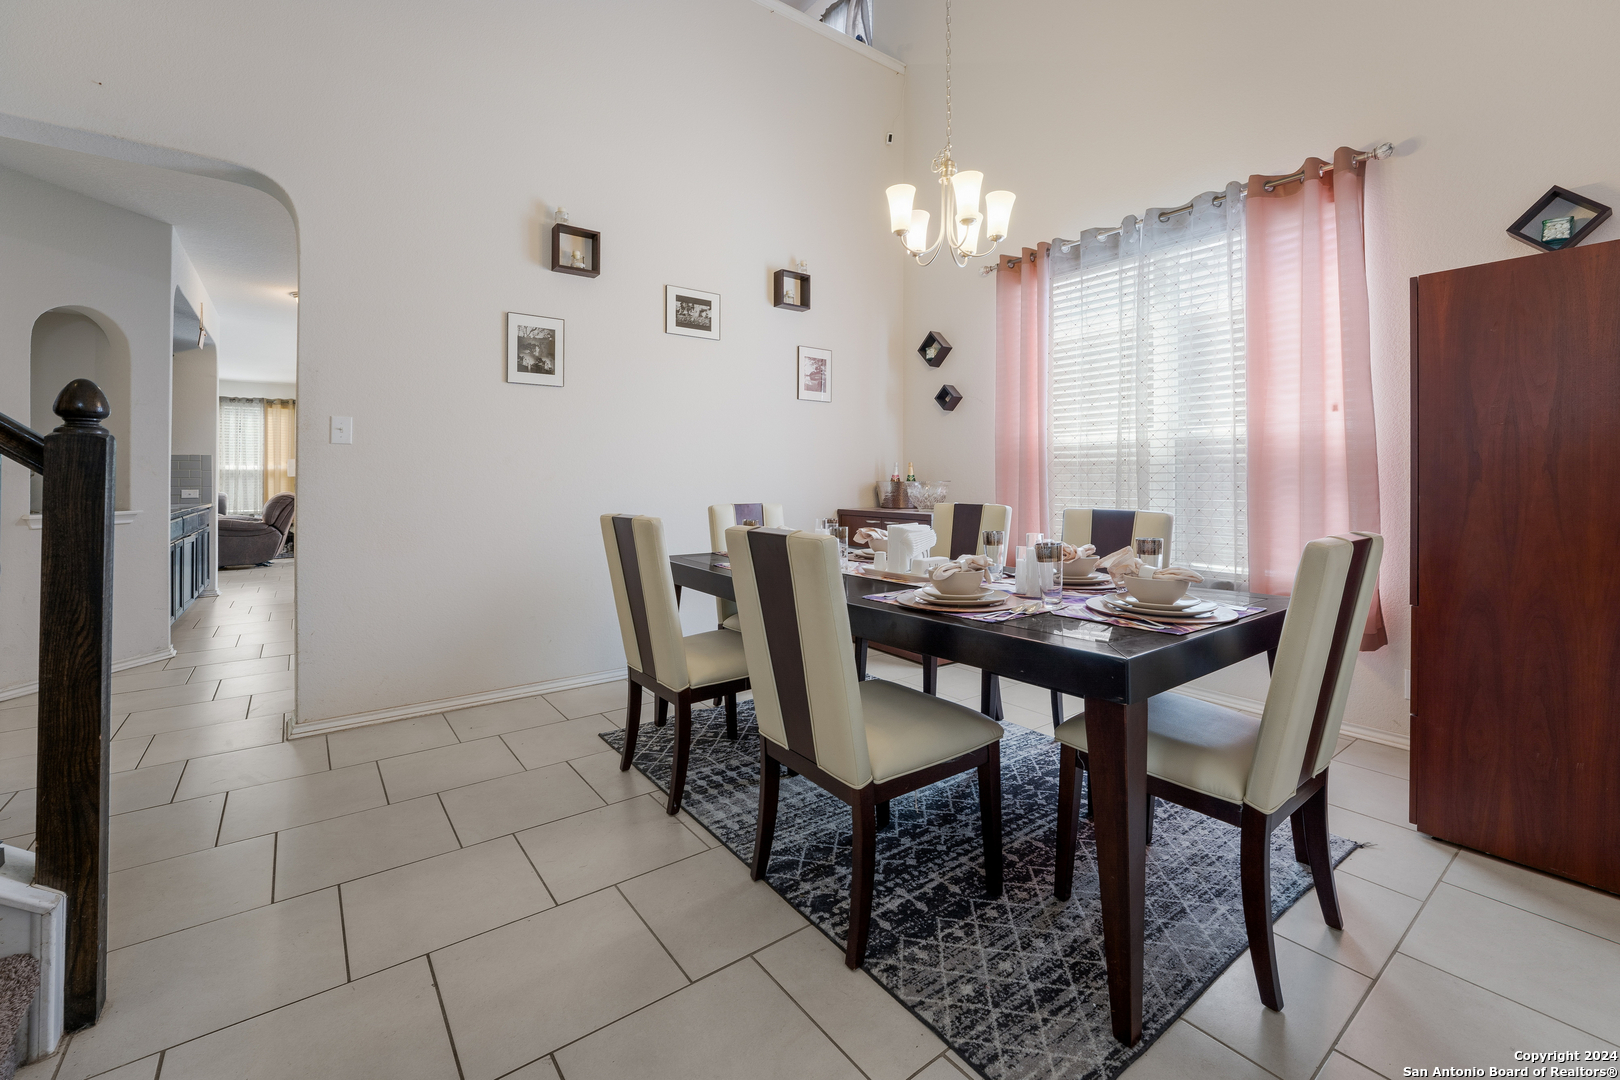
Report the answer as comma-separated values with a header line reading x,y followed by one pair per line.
x,y
1515,584
191,556
877,517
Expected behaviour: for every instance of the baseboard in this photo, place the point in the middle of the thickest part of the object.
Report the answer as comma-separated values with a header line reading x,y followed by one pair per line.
x,y
24,689
304,729
1398,739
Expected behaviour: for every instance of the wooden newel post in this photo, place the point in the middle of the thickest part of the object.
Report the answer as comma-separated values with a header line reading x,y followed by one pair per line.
x,y
75,685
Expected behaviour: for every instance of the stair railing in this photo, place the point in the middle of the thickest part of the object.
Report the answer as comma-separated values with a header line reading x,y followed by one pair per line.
x,y
75,675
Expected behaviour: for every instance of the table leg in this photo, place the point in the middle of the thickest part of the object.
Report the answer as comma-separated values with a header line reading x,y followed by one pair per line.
x,y
1117,738
860,658
930,666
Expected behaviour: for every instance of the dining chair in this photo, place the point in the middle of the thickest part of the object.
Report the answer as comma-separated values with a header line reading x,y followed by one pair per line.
x,y
959,530
723,516
678,670
1108,531
1254,773
863,741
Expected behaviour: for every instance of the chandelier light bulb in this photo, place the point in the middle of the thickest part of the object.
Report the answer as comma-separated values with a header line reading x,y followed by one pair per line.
x,y
900,199
971,242
997,214
966,186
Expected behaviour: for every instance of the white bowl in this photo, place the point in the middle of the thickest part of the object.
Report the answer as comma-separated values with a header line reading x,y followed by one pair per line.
x,y
962,583
1157,590
1080,568
878,543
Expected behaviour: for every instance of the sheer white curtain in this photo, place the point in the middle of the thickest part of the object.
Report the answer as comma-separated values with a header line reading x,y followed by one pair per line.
x,y
1148,392
241,454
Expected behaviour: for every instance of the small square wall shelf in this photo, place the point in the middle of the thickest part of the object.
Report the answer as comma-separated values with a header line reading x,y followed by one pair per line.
x,y
948,397
576,251
934,349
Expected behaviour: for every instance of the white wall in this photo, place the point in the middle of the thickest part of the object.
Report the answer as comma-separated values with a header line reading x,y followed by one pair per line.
x,y
248,389
454,547
62,250
1091,111
66,346
196,402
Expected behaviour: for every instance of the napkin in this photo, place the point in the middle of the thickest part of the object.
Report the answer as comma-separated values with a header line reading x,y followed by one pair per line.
x,y
1121,564
974,564
1071,553
1179,572
907,542
867,536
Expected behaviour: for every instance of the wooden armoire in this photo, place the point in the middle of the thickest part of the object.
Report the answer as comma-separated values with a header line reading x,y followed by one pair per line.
x,y
1516,560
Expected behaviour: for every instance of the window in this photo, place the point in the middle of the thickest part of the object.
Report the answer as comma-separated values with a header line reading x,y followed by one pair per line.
x,y
1147,403
241,454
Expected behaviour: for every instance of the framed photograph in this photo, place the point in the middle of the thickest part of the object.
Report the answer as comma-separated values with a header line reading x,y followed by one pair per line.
x,y
815,374
691,312
534,349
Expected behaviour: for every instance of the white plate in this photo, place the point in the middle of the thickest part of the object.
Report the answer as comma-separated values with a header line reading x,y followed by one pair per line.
x,y
1096,577
1186,603
914,600
984,596
1212,618
1203,607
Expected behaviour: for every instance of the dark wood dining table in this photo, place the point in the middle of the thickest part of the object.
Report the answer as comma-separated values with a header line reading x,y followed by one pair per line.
x,y
1114,669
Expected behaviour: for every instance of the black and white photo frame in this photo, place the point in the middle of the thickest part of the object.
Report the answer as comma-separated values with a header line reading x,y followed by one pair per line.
x,y
534,349
691,312
815,374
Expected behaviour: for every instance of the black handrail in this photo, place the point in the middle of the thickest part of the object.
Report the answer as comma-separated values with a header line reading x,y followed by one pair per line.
x,y
75,675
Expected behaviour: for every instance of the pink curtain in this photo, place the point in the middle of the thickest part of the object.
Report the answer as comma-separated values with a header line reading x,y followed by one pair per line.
x,y
1313,455
1023,300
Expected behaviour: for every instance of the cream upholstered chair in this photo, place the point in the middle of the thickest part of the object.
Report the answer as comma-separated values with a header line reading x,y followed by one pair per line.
x,y
959,530
676,669
723,516
1255,773
863,741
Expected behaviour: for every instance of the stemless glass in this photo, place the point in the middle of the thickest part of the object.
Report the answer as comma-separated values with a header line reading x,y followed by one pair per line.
x,y
824,526
841,534
1150,549
1049,557
995,549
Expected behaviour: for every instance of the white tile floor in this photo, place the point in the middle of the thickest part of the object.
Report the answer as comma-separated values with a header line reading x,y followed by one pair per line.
x,y
484,895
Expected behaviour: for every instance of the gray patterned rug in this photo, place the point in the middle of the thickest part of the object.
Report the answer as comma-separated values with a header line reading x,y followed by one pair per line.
x,y
1016,986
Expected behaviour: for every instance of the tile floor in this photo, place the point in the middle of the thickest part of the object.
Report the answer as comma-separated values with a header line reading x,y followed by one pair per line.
x,y
483,894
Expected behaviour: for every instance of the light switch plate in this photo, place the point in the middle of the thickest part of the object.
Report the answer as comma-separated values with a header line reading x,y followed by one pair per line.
x,y
190,493
343,429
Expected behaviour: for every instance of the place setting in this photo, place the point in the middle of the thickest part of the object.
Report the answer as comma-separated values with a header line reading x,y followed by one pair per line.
x,y
1143,597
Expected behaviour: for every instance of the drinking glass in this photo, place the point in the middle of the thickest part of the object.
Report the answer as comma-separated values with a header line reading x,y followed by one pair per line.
x,y
824,526
995,549
1031,539
1150,549
841,534
1049,556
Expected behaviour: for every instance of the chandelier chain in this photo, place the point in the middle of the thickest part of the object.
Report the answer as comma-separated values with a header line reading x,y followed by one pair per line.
x,y
947,77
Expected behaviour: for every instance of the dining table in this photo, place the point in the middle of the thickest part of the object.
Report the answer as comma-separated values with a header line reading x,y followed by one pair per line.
x,y
1114,669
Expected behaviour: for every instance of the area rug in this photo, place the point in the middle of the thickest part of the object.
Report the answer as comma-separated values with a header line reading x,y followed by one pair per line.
x,y
1016,986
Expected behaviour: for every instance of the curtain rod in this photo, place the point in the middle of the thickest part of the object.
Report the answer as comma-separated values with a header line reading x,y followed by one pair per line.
x,y
1382,150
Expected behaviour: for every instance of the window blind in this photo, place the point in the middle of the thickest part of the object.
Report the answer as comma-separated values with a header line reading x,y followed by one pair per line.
x,y
241,454
1147,402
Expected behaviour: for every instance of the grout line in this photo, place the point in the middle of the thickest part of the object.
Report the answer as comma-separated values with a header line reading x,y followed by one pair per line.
x,y
654,933
813,1022
219,830
1512,1001
380,779
537,872
555,1064
162,1056
938,1057
1529,911
445,1013
445,810
343,928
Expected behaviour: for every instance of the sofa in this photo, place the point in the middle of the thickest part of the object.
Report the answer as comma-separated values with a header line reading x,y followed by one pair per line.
x,y
249,541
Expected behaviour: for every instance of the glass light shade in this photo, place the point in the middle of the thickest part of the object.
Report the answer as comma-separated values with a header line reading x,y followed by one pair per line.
x,y
966,186
900,198
997,213
917,238
970,243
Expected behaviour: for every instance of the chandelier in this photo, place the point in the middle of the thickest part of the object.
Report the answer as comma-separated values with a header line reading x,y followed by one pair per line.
x,y
960,221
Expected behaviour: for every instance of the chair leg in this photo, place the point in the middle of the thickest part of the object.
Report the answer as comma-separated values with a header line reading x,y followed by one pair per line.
x,y
1152,802
1296,824
632,724
860,659
990,695
1083,772
770,782
660,712
1057,708
863,865
1067,824
1256,873
990,819
717,702
731,717
884,818
683,751
930,666
1314,815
